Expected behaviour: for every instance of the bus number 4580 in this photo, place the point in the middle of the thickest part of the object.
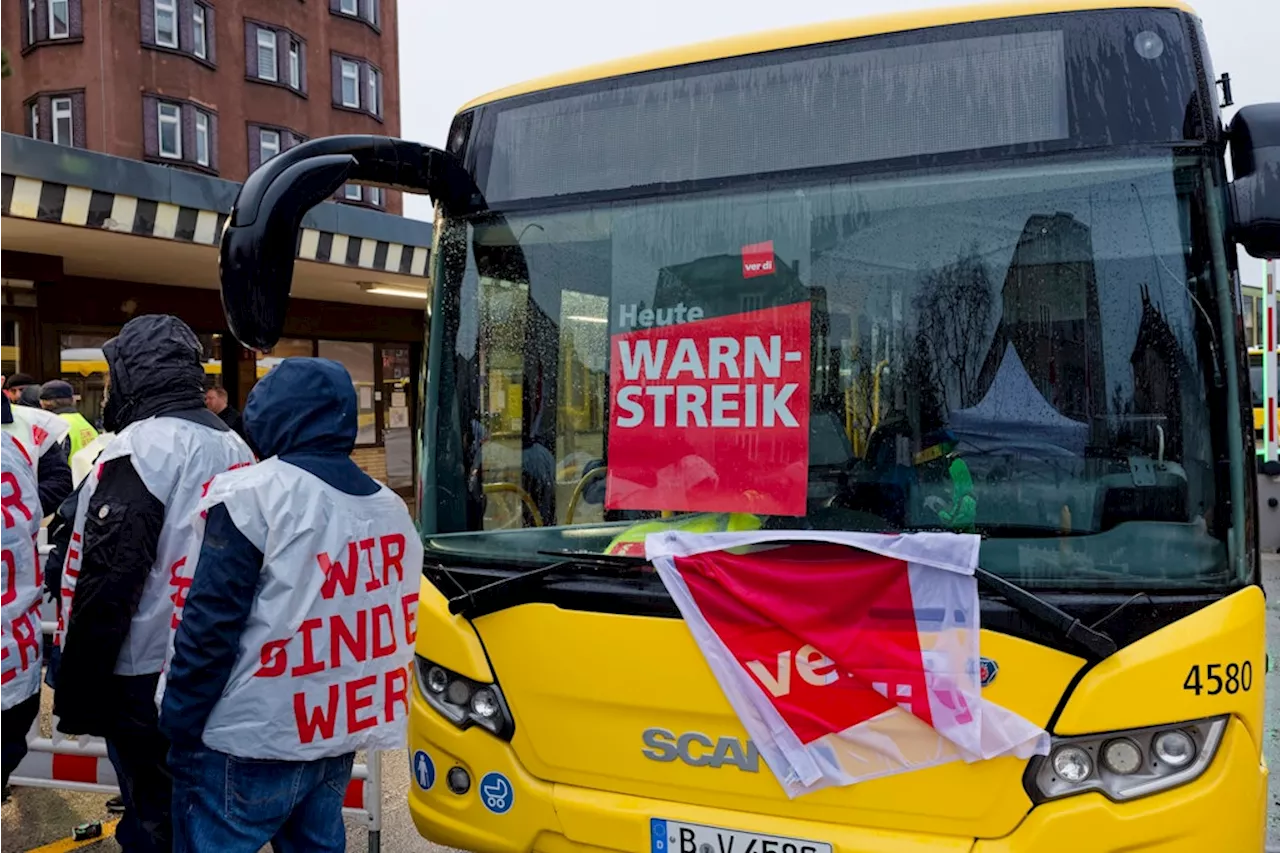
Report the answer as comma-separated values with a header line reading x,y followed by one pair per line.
x,y
1232,678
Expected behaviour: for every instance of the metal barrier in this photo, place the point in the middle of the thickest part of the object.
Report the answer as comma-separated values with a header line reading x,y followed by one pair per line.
x,y
81,764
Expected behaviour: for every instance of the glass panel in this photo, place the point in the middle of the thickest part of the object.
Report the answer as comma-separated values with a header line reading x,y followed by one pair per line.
x,y
84,366
58,22
170,133
198,35
397,416
268,144
266,54
12,357
350,84
62,126
202,139
357,358
1030,351
295,65
166,23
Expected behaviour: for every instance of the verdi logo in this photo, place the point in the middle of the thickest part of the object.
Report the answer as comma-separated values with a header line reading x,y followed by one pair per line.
x,y
757,260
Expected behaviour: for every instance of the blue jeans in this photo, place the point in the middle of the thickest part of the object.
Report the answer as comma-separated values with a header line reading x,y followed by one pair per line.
x,y
224,804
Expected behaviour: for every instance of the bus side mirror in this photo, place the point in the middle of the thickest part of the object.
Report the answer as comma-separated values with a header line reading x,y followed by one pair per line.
x,y
1255,193
1271,469
257,253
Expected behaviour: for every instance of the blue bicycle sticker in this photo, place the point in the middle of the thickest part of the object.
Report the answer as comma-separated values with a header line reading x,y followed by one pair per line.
x,y
496,793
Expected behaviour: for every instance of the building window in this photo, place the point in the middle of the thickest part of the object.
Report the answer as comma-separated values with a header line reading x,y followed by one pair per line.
x,y
202,138
63,127
268,145
375,92
59,19
357,85
361,10
275,55
267,55
169,122
377,197
350,84
199,35
352,192
295,64
57,117
48,21
166,25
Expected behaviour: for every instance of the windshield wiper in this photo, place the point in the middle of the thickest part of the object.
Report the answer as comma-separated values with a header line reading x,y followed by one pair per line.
x,y
502,593
1097,644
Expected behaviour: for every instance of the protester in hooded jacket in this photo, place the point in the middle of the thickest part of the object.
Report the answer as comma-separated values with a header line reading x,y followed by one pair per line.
x,y
20,635
129,539
44,434
294,643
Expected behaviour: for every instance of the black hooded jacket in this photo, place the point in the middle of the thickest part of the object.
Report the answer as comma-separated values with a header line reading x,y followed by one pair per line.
x,y
155,371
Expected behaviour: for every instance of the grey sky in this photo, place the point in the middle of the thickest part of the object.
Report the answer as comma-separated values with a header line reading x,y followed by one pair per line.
x,y
451,53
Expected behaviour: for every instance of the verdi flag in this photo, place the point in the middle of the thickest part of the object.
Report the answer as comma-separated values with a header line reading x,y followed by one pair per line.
x,y
846,656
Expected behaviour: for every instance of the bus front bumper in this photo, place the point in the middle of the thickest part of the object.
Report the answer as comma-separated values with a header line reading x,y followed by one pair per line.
x,y
1225,809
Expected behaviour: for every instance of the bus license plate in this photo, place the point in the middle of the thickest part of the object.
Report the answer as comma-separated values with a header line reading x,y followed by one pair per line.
x,y
669,836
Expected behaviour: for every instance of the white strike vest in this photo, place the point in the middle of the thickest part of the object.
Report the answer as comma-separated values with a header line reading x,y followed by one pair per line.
x,y
37,430
20,582
176,460
325,658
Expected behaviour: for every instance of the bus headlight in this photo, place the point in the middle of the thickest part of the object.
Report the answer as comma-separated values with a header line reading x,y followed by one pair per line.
x,y
464,702
1126,765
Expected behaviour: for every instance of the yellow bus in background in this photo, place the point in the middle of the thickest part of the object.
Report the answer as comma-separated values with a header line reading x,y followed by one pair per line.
x,y
1012,231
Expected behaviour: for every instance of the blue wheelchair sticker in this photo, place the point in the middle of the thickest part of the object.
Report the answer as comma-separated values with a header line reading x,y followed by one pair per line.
x,y
496,793
424,770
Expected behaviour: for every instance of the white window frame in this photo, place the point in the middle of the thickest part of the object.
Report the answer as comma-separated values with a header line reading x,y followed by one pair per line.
x,y
199,31
169,114
295,64
374,90
35,119
202,136
31,21
264,134
60,108
377,196
352,192
273,66
349,7
351,65
66,16
168,8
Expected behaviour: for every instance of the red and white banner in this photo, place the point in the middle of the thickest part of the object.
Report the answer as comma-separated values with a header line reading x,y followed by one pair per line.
x,y
712,415
846,656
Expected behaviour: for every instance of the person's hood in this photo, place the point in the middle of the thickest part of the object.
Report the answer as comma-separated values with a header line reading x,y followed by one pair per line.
x,y
304,405
155,367
30,397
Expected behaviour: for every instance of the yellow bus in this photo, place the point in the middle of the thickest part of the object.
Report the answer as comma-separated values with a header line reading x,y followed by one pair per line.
x,y
1012,235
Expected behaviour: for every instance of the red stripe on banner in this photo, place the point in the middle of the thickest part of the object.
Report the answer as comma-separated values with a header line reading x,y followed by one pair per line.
x,y
355,795
75,768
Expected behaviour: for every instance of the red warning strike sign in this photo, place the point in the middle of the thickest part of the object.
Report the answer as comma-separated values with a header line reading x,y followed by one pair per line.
x,y
713,415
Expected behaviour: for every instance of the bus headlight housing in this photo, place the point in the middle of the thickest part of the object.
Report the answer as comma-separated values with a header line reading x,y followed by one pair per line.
x,y
1125,765
464,702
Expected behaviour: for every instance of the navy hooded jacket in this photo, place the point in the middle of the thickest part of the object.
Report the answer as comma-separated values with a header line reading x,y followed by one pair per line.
x,y
304,412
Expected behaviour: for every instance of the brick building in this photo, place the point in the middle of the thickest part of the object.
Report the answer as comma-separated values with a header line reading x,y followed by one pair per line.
x,y
128,125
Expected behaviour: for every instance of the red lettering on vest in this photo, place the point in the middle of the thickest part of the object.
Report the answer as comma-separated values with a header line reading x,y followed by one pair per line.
x,y
12,498
180,586
39,434
274,659
392,555
397,686
335,573
28,637
309,663
409,607
340,635
10,578
310,724
381,649
357,703
366,547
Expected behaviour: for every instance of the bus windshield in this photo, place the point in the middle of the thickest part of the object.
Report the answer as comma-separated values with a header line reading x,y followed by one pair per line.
x,y
1027,346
